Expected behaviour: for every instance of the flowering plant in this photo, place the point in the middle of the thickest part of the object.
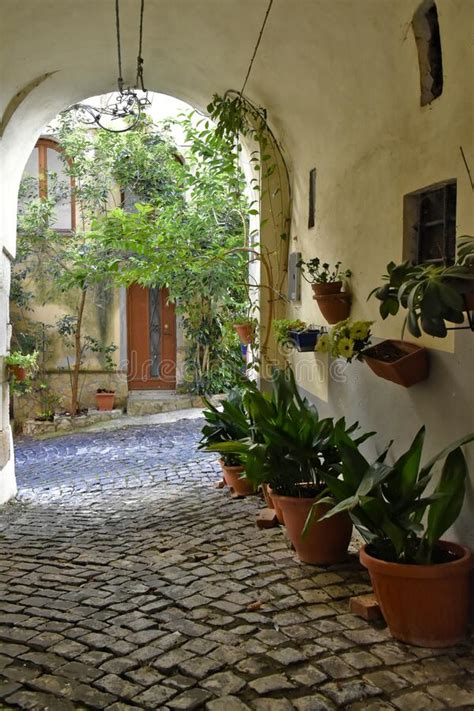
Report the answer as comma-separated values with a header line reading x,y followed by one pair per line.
x,y
322,273
346,340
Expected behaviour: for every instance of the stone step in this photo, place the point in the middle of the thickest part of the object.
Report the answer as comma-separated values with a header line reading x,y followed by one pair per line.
x,y
152,402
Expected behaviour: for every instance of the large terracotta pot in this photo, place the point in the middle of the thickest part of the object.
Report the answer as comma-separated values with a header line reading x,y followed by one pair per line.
x,y
105,401
233,479
335,307
244,332
332,287
410,368
275,505
326,541
469,300
425,605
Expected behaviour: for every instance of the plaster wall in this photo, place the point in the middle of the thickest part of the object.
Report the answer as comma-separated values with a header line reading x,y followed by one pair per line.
x,y
340,82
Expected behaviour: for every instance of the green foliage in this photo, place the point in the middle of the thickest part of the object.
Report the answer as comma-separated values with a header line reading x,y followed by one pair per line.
x,y
227,423
346,340
283,325
432,294
289,446
322,273
29,361
388,503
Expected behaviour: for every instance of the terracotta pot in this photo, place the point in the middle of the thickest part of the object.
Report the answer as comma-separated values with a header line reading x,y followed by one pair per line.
x,y
409,369
425,605
276,505
267,497
333,287
18,371
105,401
235,482
244,332
335,307
326,541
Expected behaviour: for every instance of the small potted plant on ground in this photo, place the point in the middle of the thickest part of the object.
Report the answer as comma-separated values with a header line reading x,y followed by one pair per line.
x,y
420,581
295,333
104,397
22,365
432,294
223,425
291,449
401,362
327,284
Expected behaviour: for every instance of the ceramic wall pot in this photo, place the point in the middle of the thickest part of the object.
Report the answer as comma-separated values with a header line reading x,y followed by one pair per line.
x,y
304,341
333,287
425,605
105,401
410,368
244,332
235,482
326,541
335,307
18,371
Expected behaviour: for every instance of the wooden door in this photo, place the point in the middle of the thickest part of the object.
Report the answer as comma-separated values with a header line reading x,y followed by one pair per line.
x,y
151,326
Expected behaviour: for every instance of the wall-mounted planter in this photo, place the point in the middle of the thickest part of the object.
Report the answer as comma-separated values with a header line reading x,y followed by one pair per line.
x,y
399,361
18,371
105,401
332,287
244,332
335,307
304,341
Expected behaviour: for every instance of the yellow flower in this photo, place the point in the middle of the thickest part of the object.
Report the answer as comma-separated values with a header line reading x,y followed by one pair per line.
x,y
323,344
360,330
346,347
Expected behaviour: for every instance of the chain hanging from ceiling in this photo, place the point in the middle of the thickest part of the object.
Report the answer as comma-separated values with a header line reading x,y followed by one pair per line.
x,y
124,104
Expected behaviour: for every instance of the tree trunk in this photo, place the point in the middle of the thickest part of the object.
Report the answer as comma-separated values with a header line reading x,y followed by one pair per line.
x,y
77,355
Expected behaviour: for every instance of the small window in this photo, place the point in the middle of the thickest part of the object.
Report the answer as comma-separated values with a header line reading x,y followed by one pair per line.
x,y
312,198
428,43
44,163
430,224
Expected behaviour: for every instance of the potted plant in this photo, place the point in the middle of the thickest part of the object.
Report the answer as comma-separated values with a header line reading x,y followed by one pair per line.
x,y
22,365
401,362
245,329
432,294
421,582
291,449
295,333
105,396
327,283
223,425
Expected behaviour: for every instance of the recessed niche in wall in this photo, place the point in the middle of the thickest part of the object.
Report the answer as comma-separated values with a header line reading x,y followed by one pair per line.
x,y
312,198
429,224
294,276
428,43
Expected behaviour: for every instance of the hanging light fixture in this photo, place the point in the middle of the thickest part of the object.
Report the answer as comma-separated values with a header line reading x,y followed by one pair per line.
x,y
124,104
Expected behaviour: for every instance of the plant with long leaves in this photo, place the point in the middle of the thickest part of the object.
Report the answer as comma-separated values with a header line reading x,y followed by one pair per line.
x,y
389,503
290,447
224,424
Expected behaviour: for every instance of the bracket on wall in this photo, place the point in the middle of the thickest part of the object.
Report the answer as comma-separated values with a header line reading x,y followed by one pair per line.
x,y
468,308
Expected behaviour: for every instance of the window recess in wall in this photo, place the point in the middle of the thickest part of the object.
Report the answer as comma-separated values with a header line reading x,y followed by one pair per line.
x,y
428,43
312,198
429,217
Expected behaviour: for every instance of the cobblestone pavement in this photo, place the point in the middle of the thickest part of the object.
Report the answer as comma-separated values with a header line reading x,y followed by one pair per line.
x,y
128,581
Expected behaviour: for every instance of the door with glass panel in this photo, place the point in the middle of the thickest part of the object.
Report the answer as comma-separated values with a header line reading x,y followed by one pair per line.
x,y
151,325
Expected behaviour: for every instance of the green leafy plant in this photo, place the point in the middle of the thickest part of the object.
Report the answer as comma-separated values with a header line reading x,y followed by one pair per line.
x,y
289,446
389,503
322,272
224,424
432,294
281,327
346,340
28,361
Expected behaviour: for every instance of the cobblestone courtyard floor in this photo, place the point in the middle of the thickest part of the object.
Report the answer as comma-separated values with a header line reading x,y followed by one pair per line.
x,y
127,581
